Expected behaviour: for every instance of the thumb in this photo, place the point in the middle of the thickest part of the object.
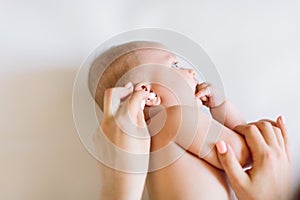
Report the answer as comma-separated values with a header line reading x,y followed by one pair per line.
x,y
136,103
135,107
234,171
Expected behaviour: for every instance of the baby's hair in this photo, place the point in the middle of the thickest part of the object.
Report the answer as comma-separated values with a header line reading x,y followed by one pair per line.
x,y
110,65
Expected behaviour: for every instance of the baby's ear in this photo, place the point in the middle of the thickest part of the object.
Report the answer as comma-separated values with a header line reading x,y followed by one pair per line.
x,y
153,99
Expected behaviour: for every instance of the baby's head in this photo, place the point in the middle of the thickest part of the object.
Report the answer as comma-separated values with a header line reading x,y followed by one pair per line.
x,y
117,61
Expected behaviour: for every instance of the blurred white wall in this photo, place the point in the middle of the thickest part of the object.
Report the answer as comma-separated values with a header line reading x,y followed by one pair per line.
x,y
254,44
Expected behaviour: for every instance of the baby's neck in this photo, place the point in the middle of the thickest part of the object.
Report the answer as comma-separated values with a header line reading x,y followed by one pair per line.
x,y
150,112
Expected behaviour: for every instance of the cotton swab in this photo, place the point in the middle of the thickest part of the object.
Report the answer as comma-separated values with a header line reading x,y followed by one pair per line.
x,y
151,96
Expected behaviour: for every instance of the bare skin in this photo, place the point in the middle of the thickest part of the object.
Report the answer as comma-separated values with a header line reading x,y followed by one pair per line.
x,y
270,175
117,184
121,185
204,94
189,177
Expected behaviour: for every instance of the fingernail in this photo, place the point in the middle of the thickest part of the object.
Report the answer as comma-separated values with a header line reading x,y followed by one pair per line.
x,y
128,85
143,104
283,119
221,147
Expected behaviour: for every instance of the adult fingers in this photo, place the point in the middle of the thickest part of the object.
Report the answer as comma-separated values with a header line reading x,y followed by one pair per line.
x,y
112,99
129,85
253,137
282,125
267,131
136,102
235,173
276,130
279,137
270,121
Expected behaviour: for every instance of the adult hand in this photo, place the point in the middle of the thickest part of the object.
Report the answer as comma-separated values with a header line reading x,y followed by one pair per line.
x,y
123,119
124,125
270,175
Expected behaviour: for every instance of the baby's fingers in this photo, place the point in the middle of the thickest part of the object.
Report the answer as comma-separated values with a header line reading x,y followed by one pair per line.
x,y
201,86
204,98
202,90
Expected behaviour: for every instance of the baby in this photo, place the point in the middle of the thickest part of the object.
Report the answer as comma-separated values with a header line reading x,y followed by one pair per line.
x,y
172,113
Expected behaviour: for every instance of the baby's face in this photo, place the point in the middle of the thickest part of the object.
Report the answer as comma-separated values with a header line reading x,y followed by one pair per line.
x,y
167,59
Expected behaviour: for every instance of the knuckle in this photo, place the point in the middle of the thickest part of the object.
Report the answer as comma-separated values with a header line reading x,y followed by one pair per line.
x,y
134,97
269,154
265,124
105,124
251,128
277,130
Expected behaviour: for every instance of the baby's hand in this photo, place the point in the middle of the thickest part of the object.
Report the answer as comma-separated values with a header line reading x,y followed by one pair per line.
x,y
209,95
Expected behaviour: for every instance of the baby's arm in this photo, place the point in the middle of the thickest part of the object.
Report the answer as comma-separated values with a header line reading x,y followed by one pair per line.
x,y
208,152
192,134
221,109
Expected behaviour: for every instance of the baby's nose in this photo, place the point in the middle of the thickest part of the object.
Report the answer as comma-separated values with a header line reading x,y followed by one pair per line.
x,y
192,72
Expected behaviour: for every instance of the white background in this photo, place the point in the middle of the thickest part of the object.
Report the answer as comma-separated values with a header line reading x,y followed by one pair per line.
x,y
254,44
